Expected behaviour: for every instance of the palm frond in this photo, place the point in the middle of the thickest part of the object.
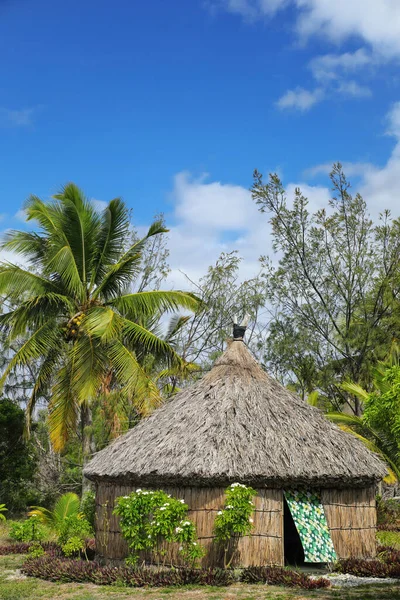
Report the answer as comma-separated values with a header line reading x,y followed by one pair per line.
x,y
355,390
38,344
28,244
148,303
111,238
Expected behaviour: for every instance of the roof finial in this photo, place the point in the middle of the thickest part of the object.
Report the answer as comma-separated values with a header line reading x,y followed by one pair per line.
x,y
240,330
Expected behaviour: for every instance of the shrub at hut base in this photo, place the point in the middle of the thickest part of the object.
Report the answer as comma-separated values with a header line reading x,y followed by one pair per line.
x,y
280,576
386,565
235,519
78,571
149,518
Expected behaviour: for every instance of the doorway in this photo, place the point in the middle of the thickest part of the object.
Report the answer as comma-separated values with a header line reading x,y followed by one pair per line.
x,y
293,549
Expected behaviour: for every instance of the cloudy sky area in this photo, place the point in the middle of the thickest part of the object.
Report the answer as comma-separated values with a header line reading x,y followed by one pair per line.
x,y
171,105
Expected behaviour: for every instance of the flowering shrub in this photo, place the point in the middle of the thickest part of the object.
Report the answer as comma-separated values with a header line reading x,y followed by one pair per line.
x,y
67,570
29,530
150,518
280,576
235,519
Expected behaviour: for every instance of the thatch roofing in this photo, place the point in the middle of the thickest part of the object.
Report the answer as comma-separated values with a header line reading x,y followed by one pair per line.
x,y
237,424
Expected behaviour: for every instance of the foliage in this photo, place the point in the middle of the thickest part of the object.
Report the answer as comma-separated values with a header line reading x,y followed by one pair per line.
x,y
51,548
36,550
388,511
334,291
73,533
387,564
75,312
30,530
235,519
149,518
17,459
388,537
88,507
3,509
68,505
379,426
223,295
67,570
279,576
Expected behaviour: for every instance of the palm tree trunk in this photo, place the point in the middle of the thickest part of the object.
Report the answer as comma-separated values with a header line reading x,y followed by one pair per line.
x,y
88,448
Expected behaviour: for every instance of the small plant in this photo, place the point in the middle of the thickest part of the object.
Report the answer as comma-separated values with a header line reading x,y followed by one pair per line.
x,y
30,530
66,506
72,535
67,570
235,520
88,507
36,550
148,519
3,509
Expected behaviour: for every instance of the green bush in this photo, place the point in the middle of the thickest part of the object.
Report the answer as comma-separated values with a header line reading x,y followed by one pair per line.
x,y
73,533
388,511
149,518
30,530
88,507
235,520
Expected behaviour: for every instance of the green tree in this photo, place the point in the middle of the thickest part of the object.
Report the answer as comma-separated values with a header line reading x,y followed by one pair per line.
x,y
75,311
223,295
334,289
17,459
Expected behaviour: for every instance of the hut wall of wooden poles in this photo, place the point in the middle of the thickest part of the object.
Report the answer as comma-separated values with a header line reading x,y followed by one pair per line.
x,y
350,513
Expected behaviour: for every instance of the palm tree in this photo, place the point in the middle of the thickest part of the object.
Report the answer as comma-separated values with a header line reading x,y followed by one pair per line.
x,y
376,439
76,314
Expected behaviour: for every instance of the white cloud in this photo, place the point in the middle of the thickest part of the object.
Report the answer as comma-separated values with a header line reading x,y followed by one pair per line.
x,y
376,22
99,205
215,206
300,99
213,217
352,88
16,118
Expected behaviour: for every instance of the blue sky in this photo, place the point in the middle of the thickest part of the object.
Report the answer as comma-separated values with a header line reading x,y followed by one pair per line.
x,y
171,105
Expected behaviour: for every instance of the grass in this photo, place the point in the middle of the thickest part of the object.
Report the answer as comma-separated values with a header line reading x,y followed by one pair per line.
x,y
389,538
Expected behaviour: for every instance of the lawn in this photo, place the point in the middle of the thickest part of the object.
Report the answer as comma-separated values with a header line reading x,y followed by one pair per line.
x,y
13,586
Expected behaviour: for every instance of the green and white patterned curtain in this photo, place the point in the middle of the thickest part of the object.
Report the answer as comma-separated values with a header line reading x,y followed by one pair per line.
x,y
309,517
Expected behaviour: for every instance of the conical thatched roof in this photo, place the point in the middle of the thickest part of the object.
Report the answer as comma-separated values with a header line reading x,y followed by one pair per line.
x,y
237,424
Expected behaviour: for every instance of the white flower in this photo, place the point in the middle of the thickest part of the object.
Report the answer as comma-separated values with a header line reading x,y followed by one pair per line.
x,y
157,523
178,529
229,506
250,520
149,536
138,491
169,495
162,508
126,497
194,543
219,512
186,523
166,504
180,548
34,516
182,501
152,523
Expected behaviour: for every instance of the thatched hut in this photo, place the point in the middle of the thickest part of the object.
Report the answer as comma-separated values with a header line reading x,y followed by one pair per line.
x,y
237,424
